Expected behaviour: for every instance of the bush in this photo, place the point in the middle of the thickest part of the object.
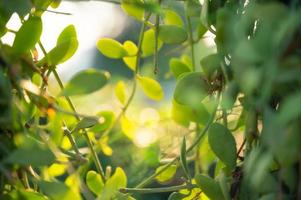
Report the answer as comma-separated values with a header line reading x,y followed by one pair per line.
x,y
249,88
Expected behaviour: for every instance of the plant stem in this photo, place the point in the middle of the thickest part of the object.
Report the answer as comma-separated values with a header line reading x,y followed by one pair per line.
x,y
156,69
191,41
137,64
90,145
156,190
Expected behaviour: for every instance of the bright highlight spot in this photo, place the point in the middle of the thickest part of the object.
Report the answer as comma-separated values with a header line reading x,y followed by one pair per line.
x,y
149,115
144,137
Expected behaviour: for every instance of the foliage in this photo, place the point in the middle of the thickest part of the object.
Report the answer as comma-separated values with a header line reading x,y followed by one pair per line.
x,y
249,88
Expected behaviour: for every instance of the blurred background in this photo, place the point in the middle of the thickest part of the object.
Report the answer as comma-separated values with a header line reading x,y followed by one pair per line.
x,y
147,135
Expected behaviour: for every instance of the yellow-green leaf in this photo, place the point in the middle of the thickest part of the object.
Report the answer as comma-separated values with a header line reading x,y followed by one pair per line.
x,y
120,91
133,9
28,35
65,48
167,174
172,18
106,119
111,48
148,43
151,88
132,51
94,182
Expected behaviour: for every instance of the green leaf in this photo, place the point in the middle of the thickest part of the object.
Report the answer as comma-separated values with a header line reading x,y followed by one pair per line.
x,y
113,184
193,8
30,195
111,48
31,152
58,190
167,174
184,114
222,144
177,67
151,87
132,51
106,119
176,196
94,182
86,122
148,43
65,48
209,186
120,92
191,89
183,158
133,9
210,64
172,34
85,82
28,35
172,18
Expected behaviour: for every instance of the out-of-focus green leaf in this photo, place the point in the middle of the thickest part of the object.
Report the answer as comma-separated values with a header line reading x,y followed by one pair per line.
x,y
167,174
176,196
178,67
30,195
209,186
223,144
31,152
148,43
191,89
111,48
172,18
210,64
172,34
94,182
151,87
85,82
106,119
133,9
120,92
86,122
33,28
58,191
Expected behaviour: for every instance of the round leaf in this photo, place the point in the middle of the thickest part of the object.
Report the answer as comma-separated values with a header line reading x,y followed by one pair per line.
x,y
111,48
191,89
151,88
94,182
132,51
85,82
133,10
120,92
106,119
222,144
172,18
172,34
148,43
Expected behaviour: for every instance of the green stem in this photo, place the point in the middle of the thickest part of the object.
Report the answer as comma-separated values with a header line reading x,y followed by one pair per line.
x,y
88,140
156,190
156,41
191,41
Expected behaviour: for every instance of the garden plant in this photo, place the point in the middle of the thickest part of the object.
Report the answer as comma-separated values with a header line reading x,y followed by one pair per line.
x,y
239,107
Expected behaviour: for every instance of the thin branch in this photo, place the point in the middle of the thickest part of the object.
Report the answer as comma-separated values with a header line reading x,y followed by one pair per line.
x,y
157,190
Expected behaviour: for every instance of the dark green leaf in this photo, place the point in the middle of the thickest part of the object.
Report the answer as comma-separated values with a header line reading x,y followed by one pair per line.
x,y
86,122
223,144
209,186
